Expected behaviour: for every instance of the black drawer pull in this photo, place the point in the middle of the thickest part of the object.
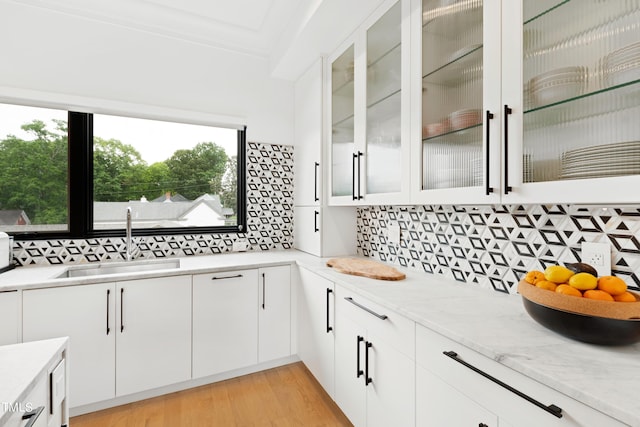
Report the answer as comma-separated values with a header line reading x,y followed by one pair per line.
x,y
552,409
487,188
368,310
315,182
359,371
329,292
32,416
108,298
507,112
367,378
226,277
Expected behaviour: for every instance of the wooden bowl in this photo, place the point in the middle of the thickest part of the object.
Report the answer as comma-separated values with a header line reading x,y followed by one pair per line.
x,y
583,319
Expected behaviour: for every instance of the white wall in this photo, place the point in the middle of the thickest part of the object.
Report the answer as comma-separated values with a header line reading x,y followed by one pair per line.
x,y
71,60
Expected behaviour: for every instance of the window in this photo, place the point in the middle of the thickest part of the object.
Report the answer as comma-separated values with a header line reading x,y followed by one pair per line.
x,y
77,176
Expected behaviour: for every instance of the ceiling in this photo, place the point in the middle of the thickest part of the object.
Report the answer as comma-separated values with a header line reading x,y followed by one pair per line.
x,y
290,33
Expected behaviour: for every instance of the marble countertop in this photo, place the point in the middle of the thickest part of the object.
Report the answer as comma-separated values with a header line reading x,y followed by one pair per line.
x,y
491,323
21,365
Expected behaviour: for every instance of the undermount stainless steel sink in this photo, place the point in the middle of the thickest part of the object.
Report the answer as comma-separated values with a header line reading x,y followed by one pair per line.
x,y
119,268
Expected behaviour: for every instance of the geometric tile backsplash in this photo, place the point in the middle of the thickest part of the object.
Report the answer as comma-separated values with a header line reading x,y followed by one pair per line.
x,y
269,222
494,246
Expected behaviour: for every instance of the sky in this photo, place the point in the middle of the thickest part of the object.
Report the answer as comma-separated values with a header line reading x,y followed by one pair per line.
x,y
155,140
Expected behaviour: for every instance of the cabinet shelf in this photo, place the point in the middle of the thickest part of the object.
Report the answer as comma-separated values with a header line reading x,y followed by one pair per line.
x,y
546,11
596,103
345,88
384,108
466,65
453,135
464,13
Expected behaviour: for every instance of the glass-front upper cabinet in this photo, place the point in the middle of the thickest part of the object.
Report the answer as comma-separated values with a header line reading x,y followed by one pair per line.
x,y
370,122
577,77
459,50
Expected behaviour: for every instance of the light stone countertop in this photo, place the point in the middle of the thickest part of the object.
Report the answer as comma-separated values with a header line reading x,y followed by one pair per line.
x,y
491,323
21,365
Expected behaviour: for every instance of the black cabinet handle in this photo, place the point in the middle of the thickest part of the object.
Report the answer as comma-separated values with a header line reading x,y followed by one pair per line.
x,y
367,378
353,176
359,371
32,416
507,113
315,182
487,188
360,154
315,221
368,310
108,298
226,277
121,309
329,327
552,409
264,297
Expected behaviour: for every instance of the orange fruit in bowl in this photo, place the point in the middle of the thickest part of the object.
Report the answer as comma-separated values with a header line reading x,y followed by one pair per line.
x,y
598,294
545,284
568,290
534,276
583,281
612,285
625,297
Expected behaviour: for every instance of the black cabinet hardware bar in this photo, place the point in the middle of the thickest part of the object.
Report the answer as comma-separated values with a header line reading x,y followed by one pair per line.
x,y
552,409
315,221
121,310
108,298
353,176
360,154
329,327
264,290
487,188
359,371
315,182
368,310
367,378
482,425
507,113
226,277
32,416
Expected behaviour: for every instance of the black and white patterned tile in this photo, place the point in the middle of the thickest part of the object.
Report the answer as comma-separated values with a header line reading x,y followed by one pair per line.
x,y
269,222
493,246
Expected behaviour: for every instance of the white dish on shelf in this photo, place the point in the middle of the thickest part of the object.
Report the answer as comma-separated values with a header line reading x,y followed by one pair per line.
x,y
557,85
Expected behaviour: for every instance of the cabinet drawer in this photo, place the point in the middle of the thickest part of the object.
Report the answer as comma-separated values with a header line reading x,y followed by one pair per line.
x,y
380,322
507,404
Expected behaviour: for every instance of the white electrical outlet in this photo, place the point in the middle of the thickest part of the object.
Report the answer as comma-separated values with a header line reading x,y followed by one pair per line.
x,y
393,234
598,255
240,246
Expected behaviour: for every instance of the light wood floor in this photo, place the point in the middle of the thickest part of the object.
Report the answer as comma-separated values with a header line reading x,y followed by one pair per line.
x,y
284,396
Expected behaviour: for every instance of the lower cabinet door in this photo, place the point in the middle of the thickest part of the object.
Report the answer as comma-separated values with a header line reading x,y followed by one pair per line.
x,y
225,321
274,313
86,314
350,392
439,404
391,392
9,317
153,333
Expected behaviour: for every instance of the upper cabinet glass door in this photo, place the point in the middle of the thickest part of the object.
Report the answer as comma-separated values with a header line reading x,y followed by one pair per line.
x,y
383,129
581,89
452,89
342,123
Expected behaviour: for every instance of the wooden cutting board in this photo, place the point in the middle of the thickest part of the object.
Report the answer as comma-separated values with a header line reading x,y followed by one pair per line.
x,y
366,268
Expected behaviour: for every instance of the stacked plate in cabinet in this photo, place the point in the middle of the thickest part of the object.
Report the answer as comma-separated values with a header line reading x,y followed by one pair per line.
x,y
557,85
622,65
600,161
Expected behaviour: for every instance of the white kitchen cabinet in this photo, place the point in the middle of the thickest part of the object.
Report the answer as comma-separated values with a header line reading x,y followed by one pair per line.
x,y
153,333
368,88
525,101
225,321
316,308
317,228
274,313
439,404
9,317
374,363
86,314
447,370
